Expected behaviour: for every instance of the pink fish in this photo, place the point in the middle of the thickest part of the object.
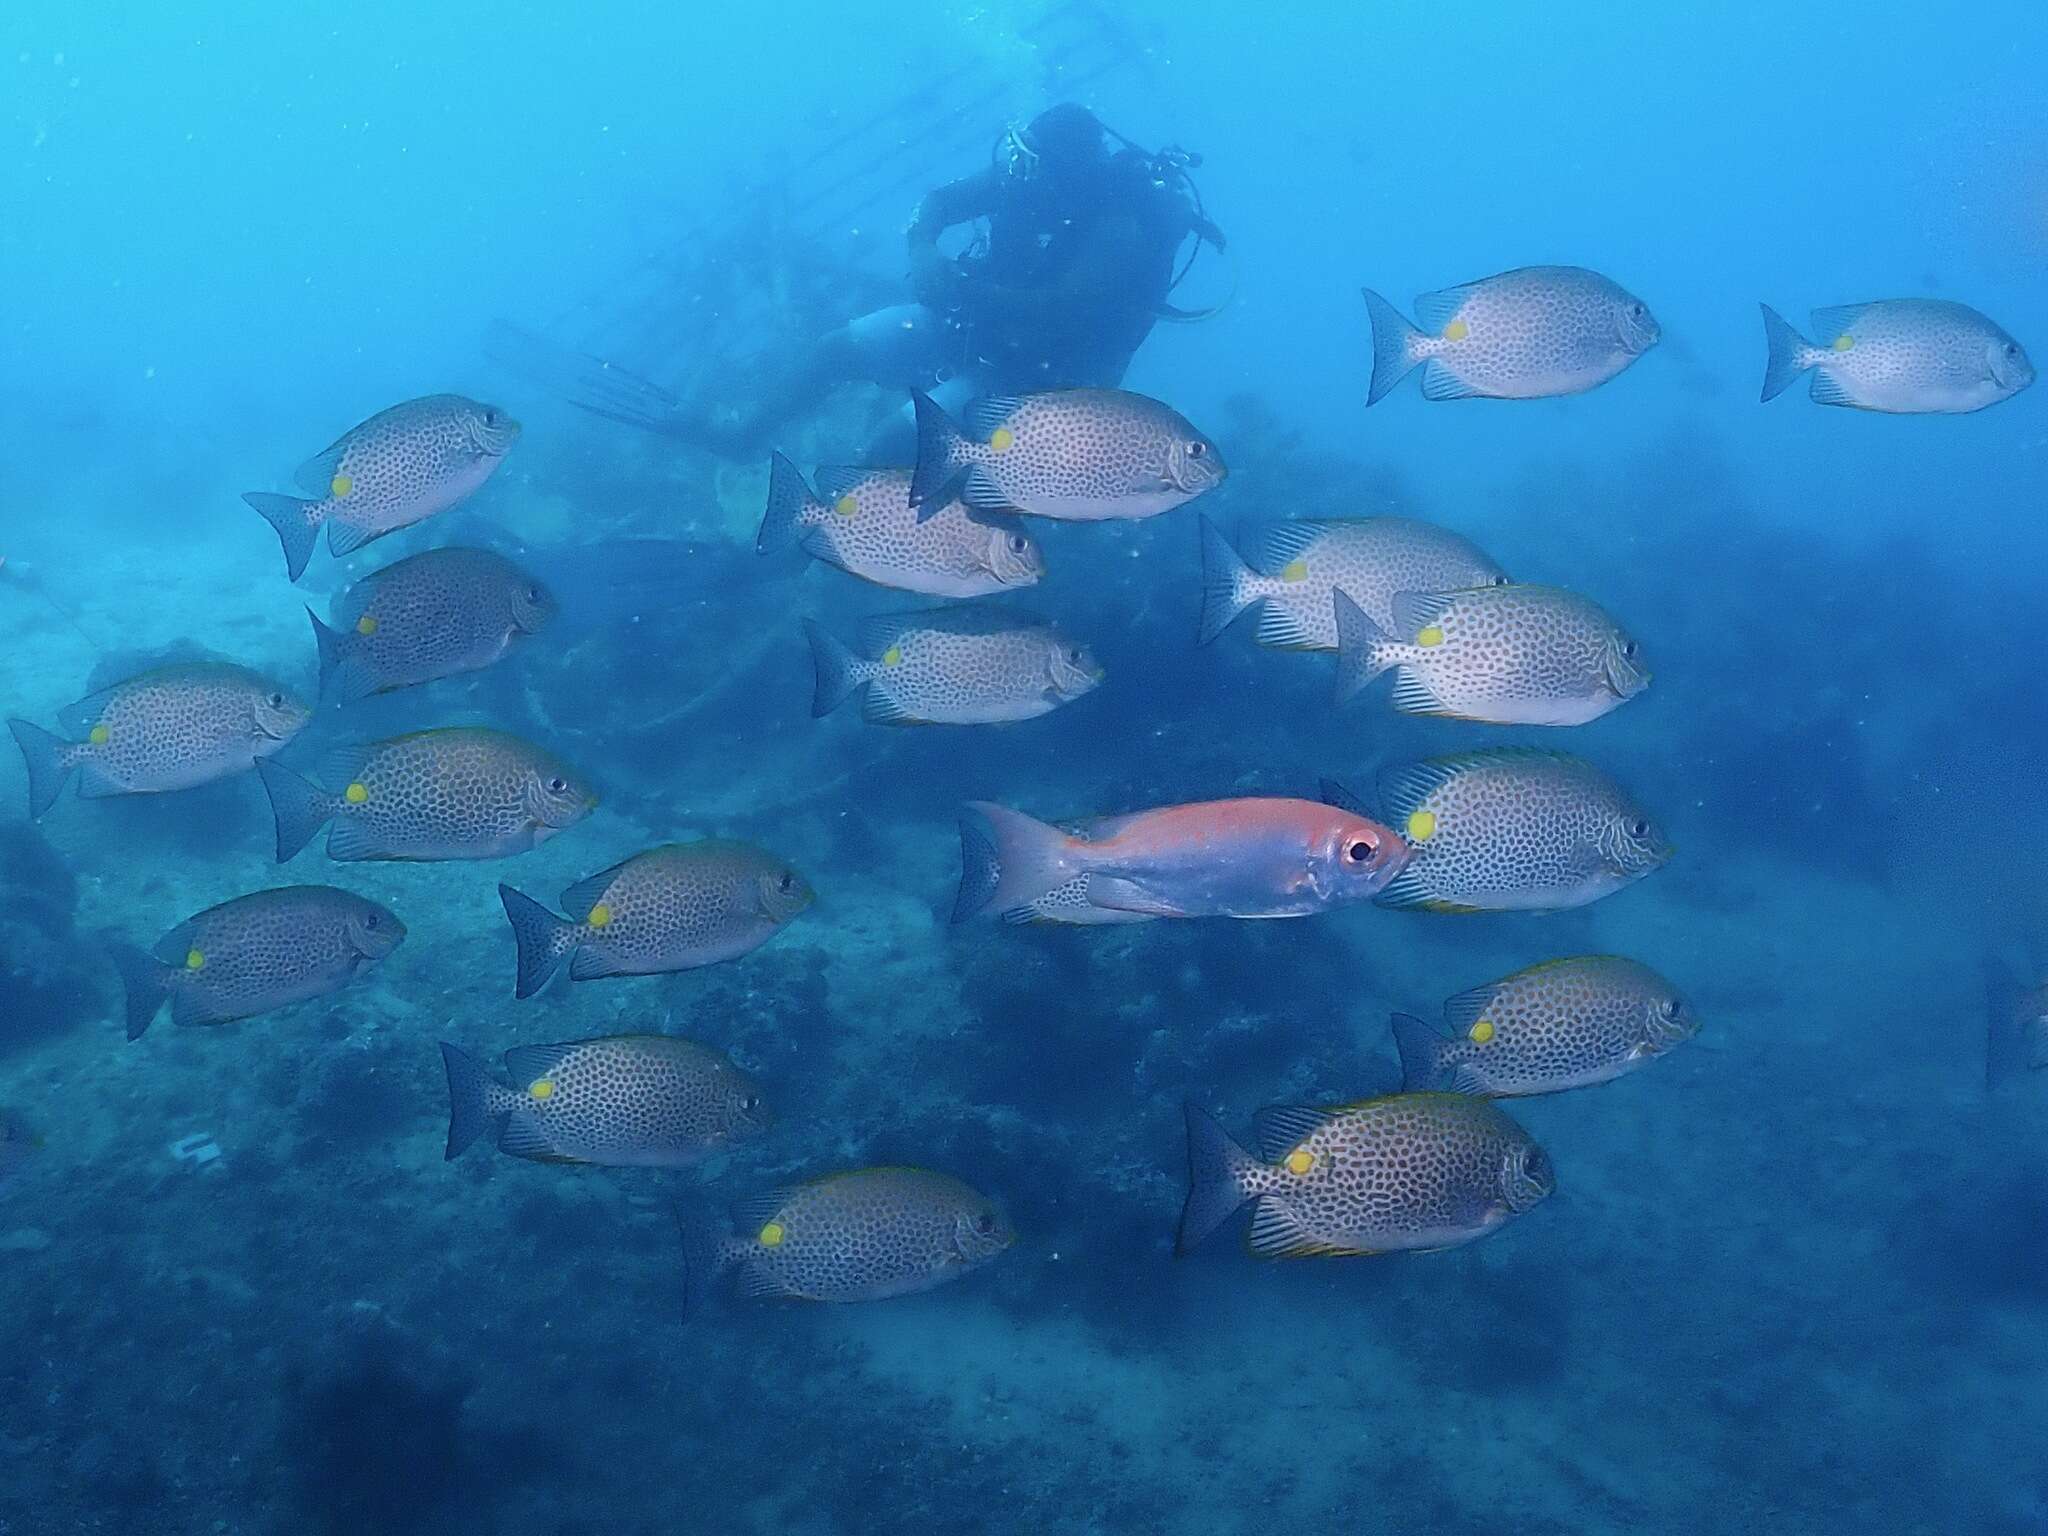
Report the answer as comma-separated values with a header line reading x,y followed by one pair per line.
x,y
1254,857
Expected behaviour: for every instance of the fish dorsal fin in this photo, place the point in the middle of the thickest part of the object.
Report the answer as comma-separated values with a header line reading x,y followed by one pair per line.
x,y
836,480
579,898
1830,324
1276,1232
175,947
1434,311
1278,545
990,412
1281,1128
526,1065
76,720
1413,612
1465,1009
316,476
340,765
1403,788
750,1213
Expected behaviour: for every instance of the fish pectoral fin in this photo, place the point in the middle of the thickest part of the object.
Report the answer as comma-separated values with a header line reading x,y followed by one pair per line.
x,y
1122,893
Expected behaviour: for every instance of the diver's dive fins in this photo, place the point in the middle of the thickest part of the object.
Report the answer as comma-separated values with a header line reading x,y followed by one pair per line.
x,y
586,382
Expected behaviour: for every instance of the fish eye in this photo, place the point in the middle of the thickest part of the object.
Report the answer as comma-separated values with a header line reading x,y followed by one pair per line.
x,y
490,416
533,594
1537,1165
557,784
1629,649
1074,654
2012,349
787,882
1669,1007
751,1101
371,919
275,701
1197,448
1639,828
1359,850
985,1224
1019,543
1500,581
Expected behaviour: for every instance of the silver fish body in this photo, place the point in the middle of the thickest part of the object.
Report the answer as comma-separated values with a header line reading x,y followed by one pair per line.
x,y
1528,334
978,665
1898,356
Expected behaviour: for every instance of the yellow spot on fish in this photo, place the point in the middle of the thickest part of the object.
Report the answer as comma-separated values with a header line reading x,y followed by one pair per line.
x,y
1001,438
599,915
846,506
542,1088
1294,570
356,793
1431,634
1844,343
1299,1161
892,655
194,960
1421,826
341,485
366,625
1457,330
1480,1032
772,1235
98,736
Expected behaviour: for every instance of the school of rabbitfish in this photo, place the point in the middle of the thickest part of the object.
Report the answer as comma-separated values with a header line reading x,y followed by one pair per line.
x,y
1438,1164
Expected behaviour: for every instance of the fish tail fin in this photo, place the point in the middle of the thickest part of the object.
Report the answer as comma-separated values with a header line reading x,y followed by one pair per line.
x,y
49,759
1393,346
300,807
791,507
145,983
942,451
707,1253
1361,646
1421,1049
1790,354
296,521
544,939
840,672
1216,1180
1226,582
1007,861
2016,1039
339,667
472,1107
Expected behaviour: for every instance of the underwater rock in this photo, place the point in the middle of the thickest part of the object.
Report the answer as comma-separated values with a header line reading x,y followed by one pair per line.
x,y
46,974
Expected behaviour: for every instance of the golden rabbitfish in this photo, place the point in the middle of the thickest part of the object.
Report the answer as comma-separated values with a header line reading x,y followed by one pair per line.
x,y
621,1101
1409,1171
431,615
860,1236
972,665
1506,655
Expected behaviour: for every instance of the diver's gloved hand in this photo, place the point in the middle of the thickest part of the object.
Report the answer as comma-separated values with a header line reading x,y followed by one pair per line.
x,y
937,280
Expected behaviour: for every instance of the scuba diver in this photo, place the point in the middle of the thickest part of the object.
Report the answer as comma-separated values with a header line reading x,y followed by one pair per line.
x,y
1082,248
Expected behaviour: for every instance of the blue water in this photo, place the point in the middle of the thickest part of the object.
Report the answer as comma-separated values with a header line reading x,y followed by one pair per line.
x,y
1795,1277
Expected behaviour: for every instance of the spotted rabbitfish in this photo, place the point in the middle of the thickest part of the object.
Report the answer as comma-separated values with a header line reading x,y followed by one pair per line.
x,y
1562,1024
430,616
1297,565
1898,356
1083,455
174,728
402,466
255,954
1506,655
668,909
974,665
1528,334
1512,829
864,1235
623,1101
1409,1172
457,793
861,520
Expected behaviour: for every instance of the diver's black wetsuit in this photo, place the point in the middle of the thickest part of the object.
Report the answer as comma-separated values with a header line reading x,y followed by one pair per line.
x,y
1072,276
